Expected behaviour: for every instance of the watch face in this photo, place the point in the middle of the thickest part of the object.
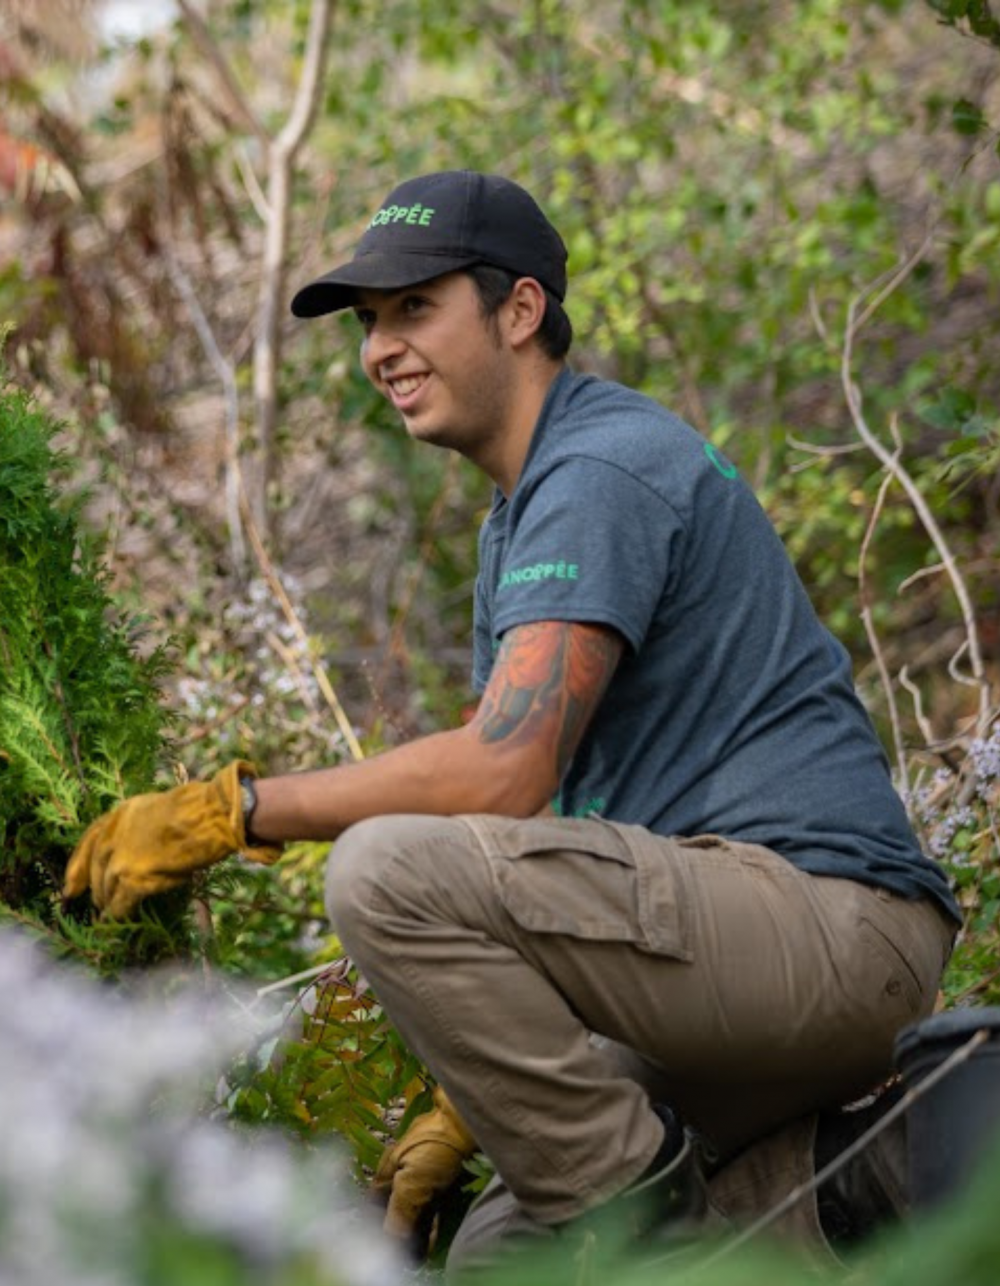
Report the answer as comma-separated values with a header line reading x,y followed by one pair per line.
x,y
248,796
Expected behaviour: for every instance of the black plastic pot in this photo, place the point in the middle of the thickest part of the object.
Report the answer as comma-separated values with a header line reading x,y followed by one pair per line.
x,y
957,1121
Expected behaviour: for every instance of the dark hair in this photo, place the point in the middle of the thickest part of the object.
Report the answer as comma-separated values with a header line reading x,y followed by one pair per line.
x,y
494,286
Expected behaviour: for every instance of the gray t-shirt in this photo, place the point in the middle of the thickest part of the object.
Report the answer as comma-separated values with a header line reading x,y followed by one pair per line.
x,y
732,711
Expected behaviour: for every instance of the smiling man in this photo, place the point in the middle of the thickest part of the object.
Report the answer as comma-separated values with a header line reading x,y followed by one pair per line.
x,y
449,376
668,838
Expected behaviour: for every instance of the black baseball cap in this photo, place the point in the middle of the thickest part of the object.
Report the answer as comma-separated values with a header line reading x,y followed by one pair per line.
x,y
439,223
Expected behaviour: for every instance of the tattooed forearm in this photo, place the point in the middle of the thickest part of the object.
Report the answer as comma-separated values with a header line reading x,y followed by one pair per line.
x,y
593,654
547,681
526,682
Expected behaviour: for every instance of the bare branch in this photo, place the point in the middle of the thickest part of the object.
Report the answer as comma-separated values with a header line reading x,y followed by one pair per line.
x,y
892,280
953,669
891,463
817,316
251,183
822,452
267,346
308,96
873,640
205,41
203,730
923,723
920,575
974,564
304,976
227,375
291,616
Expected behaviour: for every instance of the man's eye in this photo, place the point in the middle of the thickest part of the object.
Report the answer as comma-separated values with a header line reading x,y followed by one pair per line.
x,y
365,318
413,303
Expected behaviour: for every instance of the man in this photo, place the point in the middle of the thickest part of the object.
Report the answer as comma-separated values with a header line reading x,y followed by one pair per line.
x,y
725,886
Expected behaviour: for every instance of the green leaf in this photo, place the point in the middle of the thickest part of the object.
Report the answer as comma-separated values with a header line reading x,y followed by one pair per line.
x,y
950,411
967,117
951,10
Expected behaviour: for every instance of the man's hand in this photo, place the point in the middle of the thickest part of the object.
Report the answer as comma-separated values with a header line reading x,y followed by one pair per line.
x,y
416,1172
152,843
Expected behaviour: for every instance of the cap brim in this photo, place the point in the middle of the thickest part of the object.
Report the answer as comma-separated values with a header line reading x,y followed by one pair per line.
x,y
375,271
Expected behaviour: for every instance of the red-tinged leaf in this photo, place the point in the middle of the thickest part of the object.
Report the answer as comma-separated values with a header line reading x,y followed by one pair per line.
x,y
27,172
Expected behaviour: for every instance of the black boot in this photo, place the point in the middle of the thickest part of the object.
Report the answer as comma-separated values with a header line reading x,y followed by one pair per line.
x,y
668,1200
870,1190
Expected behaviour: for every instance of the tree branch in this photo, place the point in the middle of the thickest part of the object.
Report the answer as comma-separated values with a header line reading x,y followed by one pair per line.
x,y
892,464
281,154
275,211
873,639
291,616
308,96
211,52
227,375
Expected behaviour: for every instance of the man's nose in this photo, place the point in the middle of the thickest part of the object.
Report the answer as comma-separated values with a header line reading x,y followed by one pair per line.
x,y
382,344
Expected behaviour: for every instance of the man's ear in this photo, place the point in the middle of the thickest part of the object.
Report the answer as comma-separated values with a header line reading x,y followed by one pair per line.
x,y
524,309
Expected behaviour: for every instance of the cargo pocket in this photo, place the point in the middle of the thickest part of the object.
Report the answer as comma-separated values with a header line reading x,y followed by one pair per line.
x,y
589,879
890,981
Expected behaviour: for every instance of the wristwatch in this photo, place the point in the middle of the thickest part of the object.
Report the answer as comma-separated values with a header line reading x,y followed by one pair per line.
x,y
248,799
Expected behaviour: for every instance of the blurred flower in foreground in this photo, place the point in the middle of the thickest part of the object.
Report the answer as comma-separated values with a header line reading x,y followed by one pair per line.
x,y
108,1174
985,753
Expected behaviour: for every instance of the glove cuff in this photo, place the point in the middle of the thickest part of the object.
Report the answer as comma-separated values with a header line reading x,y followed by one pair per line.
x,y
227,783
459,1134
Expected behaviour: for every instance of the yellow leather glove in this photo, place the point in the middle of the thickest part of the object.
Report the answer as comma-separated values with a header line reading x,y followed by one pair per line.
x,y
416,1172
152,843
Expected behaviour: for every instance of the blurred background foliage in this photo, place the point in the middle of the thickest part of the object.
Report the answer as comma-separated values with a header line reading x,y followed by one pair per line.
x,y
727,180
783,222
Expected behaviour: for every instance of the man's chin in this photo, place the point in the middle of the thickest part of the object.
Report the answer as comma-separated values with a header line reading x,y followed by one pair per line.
x,y
425,430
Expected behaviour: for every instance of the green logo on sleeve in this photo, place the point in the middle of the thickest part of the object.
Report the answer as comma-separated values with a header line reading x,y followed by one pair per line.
x,y
594,807
719,460
538,571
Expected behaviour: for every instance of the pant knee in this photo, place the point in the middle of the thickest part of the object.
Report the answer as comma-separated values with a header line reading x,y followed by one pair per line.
x,y
349,868
358,862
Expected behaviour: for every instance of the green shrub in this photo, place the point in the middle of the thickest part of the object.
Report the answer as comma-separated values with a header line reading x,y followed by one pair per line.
x,y
81,721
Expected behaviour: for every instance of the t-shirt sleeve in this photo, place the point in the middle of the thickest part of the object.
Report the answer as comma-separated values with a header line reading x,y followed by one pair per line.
x,y
593,543
482,639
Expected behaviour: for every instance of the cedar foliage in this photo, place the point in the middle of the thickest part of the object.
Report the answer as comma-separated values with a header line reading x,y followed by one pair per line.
x,y
81,721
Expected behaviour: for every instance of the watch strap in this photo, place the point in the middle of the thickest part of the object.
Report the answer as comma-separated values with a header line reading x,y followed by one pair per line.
x,y
248,801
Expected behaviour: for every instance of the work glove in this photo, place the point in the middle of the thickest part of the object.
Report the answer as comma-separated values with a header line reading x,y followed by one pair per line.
x,y
417,1172
152,843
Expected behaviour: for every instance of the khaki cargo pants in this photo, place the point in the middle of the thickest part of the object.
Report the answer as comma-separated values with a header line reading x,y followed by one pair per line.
x,y
500,948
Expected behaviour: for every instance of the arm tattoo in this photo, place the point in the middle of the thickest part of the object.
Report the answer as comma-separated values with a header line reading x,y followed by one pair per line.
x,y
547,681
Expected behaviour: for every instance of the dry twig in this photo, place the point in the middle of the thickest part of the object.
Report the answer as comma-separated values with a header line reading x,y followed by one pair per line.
x,y
226,371
231,91
891,462
281,155
274,207
954,1061
872,635
291,616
